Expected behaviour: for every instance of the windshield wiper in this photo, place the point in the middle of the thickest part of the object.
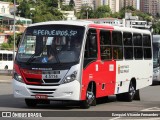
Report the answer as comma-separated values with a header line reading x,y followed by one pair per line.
x,y
31,59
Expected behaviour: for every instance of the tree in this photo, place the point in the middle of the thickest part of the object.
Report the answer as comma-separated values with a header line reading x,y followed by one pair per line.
x,y
66,8
103,11
72,4
86,12
25,9
156,27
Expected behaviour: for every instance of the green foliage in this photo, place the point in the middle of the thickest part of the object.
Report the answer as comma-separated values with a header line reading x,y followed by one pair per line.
x,y
86,11
116,15
67,8
10,43
100,12
6,46
156,27
103,11
45,10
131,9
71,3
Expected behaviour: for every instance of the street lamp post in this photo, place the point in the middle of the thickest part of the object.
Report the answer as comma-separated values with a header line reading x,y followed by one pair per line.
x,y
87,13
87,10
14,29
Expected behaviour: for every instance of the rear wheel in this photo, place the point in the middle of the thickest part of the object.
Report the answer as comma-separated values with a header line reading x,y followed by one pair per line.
x,y
131,93
90,98
31,102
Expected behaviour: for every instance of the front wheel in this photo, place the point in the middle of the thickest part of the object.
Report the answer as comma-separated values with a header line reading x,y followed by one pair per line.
x,y
90,99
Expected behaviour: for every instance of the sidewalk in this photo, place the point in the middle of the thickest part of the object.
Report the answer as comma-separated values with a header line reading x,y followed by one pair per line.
x,y
5,79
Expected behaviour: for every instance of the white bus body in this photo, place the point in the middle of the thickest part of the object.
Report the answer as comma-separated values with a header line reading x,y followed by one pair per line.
x,y
6,60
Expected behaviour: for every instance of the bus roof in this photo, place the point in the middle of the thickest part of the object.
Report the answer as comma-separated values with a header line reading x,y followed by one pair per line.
x,y
77,23
92,25
156,38
135,30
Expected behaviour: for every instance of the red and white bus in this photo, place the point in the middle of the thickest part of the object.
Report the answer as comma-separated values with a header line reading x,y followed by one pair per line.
x,y
81,61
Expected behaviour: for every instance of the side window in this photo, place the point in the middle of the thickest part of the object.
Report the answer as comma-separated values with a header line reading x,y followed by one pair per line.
x,y
128,45
5,57
10,57
147,47
117,45
1,56
91,50
105,45
138,50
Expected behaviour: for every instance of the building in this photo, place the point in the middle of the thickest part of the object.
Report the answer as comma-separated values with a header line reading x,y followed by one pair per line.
x,y
7,21
88,3
150,6
4,7
113,4
125,3
69,15
129,21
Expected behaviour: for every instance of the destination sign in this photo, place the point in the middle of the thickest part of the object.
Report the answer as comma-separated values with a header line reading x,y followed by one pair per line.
x,y
68,33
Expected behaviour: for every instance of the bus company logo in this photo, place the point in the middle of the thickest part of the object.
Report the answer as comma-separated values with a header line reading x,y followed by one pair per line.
x,y
34,32
6,114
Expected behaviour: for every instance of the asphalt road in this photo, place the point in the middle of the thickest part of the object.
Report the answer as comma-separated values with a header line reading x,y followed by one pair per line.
x,y
150,101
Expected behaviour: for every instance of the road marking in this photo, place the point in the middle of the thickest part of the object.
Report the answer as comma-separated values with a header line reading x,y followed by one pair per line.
x,y
152,109
115,118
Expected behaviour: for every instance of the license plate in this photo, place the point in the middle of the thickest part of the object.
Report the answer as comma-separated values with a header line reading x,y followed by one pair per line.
x,y
51,75
39,96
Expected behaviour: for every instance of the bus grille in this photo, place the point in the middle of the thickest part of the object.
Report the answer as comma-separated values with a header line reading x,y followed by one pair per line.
x,y
42,91
44,81
51,80
34,80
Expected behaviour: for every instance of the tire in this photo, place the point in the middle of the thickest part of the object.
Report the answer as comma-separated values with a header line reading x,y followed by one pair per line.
x,y
129,96
131,92
137,95
90,99
31,102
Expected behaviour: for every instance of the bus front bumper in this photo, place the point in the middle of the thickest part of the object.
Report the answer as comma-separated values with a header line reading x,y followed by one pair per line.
x,y
68,91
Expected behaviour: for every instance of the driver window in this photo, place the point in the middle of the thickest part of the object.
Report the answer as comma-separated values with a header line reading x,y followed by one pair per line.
x,y
91,45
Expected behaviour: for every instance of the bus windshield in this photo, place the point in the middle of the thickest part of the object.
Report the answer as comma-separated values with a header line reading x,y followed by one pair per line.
x,y
51,44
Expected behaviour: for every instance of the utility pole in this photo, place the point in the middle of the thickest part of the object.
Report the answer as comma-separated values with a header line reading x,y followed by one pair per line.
x,y
14,30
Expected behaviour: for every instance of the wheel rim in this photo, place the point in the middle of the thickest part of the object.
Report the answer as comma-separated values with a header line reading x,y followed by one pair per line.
x,y
90,97
132,91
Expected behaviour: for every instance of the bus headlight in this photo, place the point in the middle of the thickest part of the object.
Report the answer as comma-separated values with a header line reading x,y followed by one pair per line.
x,y
17,77
70,78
